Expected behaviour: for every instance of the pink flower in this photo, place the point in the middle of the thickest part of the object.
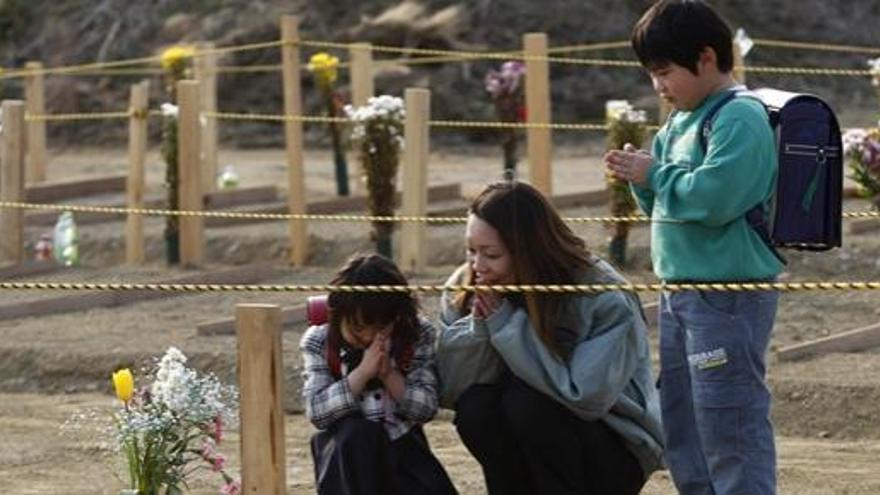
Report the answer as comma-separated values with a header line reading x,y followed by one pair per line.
x,y
231,488
218,462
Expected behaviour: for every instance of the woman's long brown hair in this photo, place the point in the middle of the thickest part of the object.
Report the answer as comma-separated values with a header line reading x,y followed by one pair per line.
x,y
542,247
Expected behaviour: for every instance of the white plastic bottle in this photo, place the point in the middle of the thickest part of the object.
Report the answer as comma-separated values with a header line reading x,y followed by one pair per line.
x,y
65,242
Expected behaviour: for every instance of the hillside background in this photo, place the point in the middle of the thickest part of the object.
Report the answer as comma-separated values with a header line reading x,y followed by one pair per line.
x,y
80,31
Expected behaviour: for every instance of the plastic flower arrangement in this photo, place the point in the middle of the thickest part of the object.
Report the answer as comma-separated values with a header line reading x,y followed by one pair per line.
x,y
377,135
861,147
625,125
324,68
171,429
505,87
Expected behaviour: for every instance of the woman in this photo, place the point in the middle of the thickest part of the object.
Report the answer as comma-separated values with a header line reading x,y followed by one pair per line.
x,y
552,392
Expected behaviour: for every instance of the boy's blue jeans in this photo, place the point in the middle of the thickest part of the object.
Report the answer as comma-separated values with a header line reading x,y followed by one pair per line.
x,y
715,403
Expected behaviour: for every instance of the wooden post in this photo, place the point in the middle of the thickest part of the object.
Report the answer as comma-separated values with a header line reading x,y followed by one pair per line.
x,y
206,74
415,179
12,182
362,89
540,141
260,377
293,138
739,65
35,97
134,185
190,173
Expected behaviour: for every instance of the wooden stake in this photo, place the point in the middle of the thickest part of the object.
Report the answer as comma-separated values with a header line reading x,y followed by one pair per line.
x,y
261,376
293,138
190,192
739,65
540,141
415,179
362,89
12,182
206,74
134,187
34,94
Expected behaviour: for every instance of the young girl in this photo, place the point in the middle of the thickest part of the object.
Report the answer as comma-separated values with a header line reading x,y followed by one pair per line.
x,y
369,384
552,392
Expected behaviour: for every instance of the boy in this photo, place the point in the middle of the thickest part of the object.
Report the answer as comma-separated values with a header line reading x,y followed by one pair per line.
x,y
714,399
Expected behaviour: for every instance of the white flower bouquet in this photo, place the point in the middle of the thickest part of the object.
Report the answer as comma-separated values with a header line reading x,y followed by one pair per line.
x,y
171,428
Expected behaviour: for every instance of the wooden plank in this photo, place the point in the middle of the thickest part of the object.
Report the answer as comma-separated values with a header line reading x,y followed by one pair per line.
x,y
189,194
331,206
291,316
595,197
260,382
28,268
12,179
206,74
213,201
52,191
362,89
240,196
412,247
863,226
539,141
85,301
35,97
237,197
134,185
850,341
293,140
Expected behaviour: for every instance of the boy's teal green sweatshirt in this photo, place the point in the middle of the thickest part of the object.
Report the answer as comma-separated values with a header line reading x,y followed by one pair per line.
x,y
697,201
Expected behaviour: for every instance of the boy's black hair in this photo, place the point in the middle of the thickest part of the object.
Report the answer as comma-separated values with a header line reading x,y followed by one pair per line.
x,y
676,31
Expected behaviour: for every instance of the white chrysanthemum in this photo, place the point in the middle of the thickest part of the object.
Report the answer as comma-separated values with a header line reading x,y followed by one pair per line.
x,y
169,110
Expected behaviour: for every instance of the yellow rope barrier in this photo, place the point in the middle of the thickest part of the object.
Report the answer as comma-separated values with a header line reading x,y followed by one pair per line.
x,y
433,123
816,46
577,61
64,117
134,61
809,71
590,47
323,217
551,289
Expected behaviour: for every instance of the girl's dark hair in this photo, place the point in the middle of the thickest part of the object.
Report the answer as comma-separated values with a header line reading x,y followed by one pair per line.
x,y
542,247
676,31
373,308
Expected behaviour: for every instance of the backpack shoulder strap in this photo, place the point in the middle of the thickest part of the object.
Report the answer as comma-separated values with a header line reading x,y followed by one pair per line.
x,y
709,119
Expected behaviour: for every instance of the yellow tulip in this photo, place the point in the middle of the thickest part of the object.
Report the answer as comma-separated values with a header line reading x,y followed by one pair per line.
x,y
123,382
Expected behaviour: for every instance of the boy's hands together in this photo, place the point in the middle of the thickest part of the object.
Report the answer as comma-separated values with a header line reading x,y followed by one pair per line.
x,y
629,164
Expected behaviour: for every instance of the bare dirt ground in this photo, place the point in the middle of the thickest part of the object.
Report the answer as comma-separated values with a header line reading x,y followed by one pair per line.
x,y
54,365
